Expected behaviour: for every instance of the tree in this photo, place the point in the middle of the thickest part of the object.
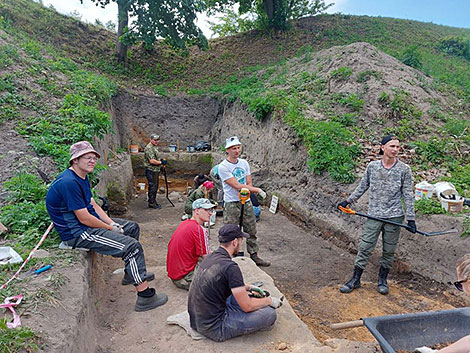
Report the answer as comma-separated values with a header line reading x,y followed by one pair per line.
x,y
273,14
172,20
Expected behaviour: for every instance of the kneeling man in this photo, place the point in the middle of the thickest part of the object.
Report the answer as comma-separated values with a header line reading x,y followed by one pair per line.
x,y
189,244
218,304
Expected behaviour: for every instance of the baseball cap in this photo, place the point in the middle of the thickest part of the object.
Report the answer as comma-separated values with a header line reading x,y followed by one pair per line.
x,y
208,184
232,141
155,137
385,140
228,232
202,203
80,148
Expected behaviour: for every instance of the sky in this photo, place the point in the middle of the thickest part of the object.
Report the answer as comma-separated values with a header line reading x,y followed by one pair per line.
x,y
454,13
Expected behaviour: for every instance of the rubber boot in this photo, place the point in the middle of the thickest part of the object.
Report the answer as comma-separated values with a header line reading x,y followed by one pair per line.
x,y
382,286
259,261
354,282
149,303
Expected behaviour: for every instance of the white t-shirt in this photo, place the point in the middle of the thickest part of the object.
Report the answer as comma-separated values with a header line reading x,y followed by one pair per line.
x,y
239,171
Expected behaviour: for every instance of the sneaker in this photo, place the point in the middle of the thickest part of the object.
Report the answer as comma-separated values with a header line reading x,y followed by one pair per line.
x,y
128,280
155,206
259,261
156,300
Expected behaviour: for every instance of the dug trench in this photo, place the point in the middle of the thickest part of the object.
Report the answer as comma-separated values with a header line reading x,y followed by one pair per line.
x,y
310,244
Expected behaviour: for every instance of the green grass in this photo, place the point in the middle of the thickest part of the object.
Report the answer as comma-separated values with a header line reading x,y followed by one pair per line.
x,y
21,339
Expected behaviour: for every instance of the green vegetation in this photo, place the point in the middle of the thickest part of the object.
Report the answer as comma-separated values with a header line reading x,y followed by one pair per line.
x,y
21,339
341,74
428,206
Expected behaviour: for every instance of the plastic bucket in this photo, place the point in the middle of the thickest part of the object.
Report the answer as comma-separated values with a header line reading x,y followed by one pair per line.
x,y
445,188
423,190
142,186
172,148
134,148
452,206
190,149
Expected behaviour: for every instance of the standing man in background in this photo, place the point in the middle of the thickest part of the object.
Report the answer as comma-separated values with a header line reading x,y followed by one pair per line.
x,y
152,169
389,181
235,175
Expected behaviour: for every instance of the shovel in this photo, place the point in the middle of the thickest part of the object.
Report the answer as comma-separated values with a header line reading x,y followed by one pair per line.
x,y
430,234
163,168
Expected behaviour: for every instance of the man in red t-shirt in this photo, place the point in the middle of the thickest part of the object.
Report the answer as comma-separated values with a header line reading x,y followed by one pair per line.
x,y
188,245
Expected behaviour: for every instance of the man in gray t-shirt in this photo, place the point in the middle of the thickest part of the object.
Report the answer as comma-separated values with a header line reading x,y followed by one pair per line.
x,y
389,181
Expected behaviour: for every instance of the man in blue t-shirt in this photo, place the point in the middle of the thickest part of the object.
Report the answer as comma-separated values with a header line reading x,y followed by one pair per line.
x,y
82,223
218,303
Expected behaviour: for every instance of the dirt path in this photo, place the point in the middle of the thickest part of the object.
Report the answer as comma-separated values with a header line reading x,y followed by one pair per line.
x,y
306,268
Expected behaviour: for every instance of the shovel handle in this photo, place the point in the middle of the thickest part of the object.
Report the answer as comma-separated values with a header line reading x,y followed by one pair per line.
x,y
347,324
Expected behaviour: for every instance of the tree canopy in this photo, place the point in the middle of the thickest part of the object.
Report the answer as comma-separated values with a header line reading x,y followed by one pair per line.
x,y
171,20
269,13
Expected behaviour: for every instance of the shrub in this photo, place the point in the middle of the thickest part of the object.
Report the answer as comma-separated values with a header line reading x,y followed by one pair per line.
x,y
412,57
457,46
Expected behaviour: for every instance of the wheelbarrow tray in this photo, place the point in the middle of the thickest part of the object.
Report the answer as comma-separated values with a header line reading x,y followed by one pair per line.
x,y
408,331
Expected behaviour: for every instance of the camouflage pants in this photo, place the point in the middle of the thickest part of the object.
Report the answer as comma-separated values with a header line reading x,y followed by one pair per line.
x,y
232,215
390,236
184,282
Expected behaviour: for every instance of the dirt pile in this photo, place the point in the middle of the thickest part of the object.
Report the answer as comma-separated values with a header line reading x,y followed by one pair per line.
x,y
279,162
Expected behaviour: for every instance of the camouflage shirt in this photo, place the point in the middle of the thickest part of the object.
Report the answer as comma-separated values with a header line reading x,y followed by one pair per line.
x,y
387,187
151,152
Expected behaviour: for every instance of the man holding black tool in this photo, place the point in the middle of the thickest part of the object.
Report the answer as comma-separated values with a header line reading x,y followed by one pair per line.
x,y
82,223
389,181
235,175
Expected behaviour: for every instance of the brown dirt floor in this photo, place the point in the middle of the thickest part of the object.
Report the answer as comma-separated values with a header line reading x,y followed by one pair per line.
x,y
306,268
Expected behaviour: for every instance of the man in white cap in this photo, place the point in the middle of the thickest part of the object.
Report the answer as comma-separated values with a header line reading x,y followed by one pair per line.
x,y
152,169
189,244
82,223
235,175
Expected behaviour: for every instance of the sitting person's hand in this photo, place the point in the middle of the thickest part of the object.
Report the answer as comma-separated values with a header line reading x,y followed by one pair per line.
x,y
276,302
117,228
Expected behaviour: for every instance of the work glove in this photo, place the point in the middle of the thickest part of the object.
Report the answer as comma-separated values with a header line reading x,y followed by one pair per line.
x,y
117,228
262,194
424,349
163,161
412,226
257,291
276,302
344,204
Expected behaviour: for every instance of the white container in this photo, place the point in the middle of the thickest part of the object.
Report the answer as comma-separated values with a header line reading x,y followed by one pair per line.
x,y
142,186
423,190
445,188
172,148
9,256
452,206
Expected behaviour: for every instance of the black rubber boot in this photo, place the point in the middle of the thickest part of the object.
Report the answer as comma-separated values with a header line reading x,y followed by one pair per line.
x,y
128,280
354,282
145,303
382,286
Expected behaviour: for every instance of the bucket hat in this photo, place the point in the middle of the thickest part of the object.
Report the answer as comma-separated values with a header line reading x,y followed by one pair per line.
x,y
232,141
80,148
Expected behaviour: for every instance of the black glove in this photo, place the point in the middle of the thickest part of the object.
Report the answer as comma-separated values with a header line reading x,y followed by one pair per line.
x,y
343,204
164,161
412,226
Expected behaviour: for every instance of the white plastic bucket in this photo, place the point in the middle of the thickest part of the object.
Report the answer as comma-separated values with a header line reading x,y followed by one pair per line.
x,y
172,148
453,206
445,188
423,190
142,186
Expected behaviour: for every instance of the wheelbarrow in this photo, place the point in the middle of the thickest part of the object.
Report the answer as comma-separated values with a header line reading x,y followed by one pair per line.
x,y
409,331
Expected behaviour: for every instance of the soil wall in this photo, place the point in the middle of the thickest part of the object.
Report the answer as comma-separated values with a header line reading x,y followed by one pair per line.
x,y
279,165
